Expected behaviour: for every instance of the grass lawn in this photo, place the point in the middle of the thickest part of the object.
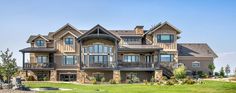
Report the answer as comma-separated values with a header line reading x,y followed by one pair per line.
x,y
207,87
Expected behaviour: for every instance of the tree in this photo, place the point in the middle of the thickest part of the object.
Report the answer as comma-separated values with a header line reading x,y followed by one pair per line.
x,y
227,69
8,66
212,68
222,72
180,72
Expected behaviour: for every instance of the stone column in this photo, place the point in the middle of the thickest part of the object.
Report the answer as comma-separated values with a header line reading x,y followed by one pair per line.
x,y
81,76
158,75
116,76
53,75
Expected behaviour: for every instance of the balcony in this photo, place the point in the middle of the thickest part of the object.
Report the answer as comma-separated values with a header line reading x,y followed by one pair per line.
x,y
136,66
38,66
104,65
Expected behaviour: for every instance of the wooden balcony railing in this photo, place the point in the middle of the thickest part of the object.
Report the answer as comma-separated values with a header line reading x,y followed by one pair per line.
x,y
135,64
98,65
38,65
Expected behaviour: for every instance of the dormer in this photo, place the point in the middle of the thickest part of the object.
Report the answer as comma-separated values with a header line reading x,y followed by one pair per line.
x,y
164,35
38,41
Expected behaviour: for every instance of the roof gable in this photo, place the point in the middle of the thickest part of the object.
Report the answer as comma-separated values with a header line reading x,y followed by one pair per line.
x,y
66,27
67,34
32,38
160,25
98,29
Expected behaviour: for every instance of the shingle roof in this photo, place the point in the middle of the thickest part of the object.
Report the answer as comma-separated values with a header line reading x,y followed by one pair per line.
x,y
38,49
34,36
196,50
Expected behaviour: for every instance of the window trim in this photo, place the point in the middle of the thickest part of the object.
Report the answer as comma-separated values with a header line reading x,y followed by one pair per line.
x,y
171,57
69,41
124,60
41,58
41,43
196,62
65,60
171,37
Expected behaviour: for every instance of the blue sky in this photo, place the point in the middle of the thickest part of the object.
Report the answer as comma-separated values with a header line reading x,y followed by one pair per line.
x,y
205,21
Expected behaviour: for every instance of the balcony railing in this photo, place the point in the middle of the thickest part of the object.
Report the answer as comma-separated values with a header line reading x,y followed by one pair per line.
x,y
39,65
99,65
135,64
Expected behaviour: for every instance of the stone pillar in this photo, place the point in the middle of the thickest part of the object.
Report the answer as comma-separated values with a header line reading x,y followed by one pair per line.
x,y
81,77
116,76
53,75
158,75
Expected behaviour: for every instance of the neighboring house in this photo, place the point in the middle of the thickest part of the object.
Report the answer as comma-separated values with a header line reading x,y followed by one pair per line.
x,y
70,54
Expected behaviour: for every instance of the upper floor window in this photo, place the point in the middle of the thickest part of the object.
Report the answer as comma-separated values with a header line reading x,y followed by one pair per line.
x,y
69,60
42,59
165,38
131,58
69,41
195,64
166,57
99,48
40,42
148,58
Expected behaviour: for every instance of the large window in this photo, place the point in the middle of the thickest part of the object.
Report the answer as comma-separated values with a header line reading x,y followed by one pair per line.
x,y
69,41
40,42
131,58
165,38
69,60
99,48
42,59
167,58
98,58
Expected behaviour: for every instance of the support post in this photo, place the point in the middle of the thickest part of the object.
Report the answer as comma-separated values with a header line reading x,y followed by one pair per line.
x,y
117,76
158,75
23,59
53,75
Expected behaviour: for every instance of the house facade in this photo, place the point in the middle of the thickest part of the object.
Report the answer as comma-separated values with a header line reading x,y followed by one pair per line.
x,y
70,54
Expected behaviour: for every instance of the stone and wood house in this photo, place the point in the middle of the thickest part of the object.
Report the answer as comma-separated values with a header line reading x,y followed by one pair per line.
x,y
71,54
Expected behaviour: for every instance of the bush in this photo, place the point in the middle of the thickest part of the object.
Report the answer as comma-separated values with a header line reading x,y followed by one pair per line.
x,y
180,72
45,78
152,81
170,82
145,82
188,80
217,74
135,80
93,80
112,81
103,79
129,81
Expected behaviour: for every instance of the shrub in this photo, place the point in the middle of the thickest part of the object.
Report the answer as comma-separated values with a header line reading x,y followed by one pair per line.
x,y
129,81
45,78
180,72
93,80
152,81
222,73
204,75
188,80
103,79
145,82
30,78
135,80
217,74
170,82
112,81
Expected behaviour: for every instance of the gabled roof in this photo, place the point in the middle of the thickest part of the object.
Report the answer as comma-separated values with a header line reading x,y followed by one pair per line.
x,y
158,26
196,50
33,37
38,49
98,27
64,27
68,32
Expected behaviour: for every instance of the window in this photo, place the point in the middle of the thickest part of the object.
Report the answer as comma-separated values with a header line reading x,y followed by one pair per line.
x,y
165,38
98,48
131,76
167,57
69,60
131,58
42,59
39,42
195,64
69,41
85,50
148,58
85,59
98,58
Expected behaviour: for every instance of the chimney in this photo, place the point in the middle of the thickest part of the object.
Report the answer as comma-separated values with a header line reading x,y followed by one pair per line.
x,y
139,30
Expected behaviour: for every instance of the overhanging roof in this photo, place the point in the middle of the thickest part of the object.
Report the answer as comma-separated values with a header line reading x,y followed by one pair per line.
x,y
139,48
38,50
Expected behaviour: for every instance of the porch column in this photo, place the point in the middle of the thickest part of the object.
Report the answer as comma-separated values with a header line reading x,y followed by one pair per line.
x,y
23,59
158,75
53,75
116,76
80,56
81,76
116,54
158,58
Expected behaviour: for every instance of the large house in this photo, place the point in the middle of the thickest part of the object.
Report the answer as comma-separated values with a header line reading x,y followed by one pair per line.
x,y
71,54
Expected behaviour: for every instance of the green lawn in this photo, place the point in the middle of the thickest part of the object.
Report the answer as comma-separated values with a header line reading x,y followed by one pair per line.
x,y
207,87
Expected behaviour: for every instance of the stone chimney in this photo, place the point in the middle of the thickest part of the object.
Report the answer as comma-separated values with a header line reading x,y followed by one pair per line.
x,y
139,30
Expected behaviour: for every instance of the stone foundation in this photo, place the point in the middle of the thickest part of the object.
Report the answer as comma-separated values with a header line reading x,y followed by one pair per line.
x,y
53,75
158,75
117,76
